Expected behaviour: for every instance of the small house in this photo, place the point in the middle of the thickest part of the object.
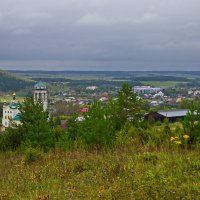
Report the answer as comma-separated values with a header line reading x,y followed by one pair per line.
x,y
171,115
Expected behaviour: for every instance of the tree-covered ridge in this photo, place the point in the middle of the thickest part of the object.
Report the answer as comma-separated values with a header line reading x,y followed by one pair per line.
x,y
11,82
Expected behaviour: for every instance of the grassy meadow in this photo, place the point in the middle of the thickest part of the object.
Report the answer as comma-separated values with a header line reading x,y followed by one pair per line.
x,y
164,84
127,172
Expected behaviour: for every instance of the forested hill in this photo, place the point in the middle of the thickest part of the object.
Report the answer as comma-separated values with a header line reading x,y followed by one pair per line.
x,y
11,82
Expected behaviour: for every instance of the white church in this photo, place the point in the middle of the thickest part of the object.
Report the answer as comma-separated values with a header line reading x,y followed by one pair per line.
x,y
11,111
41,94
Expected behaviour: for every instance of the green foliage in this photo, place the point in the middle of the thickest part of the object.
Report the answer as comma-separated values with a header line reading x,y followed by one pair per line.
x,y
65,108
103,126
72,127
191,123
57,132
151,120
57,121
125,135
31,154
35,128
117,124
166,130
127,107
97,128
11,139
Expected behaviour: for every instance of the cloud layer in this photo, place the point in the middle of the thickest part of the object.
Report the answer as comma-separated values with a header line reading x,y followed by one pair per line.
x,y
100,34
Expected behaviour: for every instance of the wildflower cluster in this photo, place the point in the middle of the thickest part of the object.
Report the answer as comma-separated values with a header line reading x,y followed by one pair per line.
x,y
179,140
176,140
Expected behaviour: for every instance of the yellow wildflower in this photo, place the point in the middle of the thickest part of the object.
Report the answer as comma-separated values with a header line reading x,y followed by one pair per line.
x,y
186,137
177,142
172,139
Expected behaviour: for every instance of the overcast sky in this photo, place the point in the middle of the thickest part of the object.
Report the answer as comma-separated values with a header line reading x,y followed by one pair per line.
x,y
100,34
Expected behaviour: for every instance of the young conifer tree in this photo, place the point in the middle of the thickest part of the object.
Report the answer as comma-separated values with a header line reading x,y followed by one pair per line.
x,y
127,107
35,127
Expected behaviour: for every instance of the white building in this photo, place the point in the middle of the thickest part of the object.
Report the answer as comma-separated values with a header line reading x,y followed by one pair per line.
x,y
91,88
146,90
158,95
10,113
196,92
41,94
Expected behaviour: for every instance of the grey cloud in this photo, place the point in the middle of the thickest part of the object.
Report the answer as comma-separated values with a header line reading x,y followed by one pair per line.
x,y
97,20
102,34
21,31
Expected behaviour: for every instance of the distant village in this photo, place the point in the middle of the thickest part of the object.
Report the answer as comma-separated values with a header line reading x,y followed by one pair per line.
x,y
155,97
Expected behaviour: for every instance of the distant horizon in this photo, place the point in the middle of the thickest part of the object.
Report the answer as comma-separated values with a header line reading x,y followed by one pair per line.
x,y
62,66
86,70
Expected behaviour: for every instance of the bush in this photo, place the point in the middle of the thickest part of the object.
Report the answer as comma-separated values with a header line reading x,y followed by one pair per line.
x,y
32,154
97,129
191,123
11,139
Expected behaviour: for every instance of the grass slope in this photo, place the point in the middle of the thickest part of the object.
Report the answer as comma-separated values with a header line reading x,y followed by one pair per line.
x,y
124,173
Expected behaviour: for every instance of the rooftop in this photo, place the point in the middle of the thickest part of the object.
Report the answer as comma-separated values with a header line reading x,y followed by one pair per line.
x,y
40,84
11,106
17,118
173,113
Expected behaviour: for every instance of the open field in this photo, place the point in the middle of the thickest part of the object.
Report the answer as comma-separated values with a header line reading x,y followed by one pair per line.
x,y
163,83
124,173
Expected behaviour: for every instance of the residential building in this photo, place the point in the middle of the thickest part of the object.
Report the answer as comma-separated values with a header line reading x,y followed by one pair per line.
x,y
146,90
171,115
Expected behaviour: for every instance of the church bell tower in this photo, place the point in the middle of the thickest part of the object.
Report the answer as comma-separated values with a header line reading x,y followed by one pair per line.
x,y
41,94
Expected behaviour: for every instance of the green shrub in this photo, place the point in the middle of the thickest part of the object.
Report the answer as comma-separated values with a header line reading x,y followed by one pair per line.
x,y
96,130
32,154
125,135
11,139
191,123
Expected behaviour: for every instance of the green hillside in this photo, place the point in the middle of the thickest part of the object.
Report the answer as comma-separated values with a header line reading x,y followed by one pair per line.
x,y
11,82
